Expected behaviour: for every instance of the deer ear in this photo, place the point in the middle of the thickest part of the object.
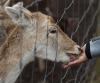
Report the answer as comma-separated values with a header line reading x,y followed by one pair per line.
x,y
18,5
13,13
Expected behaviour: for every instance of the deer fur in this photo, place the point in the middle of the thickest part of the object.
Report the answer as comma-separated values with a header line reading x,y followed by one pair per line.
x,y
36,35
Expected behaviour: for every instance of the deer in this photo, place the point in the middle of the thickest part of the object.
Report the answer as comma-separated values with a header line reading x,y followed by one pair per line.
x,y
36,35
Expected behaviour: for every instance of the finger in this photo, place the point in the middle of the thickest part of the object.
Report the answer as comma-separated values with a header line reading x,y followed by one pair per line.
x,y
66,66
76,62
69,65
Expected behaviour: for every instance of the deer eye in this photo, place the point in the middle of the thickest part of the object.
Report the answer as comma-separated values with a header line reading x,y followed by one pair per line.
x,y
53,31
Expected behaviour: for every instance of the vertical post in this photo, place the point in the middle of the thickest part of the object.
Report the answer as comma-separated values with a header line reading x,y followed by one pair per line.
x,y
98,22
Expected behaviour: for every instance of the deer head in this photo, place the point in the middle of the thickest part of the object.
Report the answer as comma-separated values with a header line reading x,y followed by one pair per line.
x,y
36,35
51,42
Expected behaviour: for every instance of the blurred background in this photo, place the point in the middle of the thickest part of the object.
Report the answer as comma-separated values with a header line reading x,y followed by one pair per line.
x,y
77,18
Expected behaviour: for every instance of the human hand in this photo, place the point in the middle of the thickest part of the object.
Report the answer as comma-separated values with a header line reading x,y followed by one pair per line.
x,y
82,58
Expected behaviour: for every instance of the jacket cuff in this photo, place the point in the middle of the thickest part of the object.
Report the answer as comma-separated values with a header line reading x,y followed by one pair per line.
x,y
87,51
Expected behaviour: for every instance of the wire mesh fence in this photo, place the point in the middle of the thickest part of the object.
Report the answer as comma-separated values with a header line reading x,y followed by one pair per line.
x,y
77,18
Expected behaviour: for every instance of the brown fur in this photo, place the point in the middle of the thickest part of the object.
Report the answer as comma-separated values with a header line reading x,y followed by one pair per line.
x,y
18,41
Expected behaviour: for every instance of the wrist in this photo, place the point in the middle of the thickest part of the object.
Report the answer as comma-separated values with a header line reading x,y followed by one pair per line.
x,y
83,57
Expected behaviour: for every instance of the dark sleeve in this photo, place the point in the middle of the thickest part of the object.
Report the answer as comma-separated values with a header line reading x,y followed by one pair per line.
x,y
87,51
92,49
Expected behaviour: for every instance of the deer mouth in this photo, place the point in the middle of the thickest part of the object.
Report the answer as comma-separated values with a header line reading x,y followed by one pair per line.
x,y
72,56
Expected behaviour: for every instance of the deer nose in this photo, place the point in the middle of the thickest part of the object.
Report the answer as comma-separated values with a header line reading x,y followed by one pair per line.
x,y
79,48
